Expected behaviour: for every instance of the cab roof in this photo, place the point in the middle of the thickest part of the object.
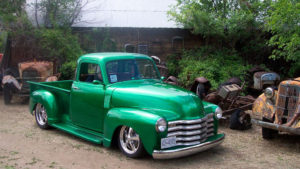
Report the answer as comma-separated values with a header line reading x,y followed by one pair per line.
x,y
112,56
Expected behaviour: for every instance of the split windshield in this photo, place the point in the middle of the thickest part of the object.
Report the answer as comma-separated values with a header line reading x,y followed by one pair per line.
x,y
132,69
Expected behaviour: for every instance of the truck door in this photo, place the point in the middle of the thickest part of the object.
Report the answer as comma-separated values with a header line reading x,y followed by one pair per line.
x,y
87,97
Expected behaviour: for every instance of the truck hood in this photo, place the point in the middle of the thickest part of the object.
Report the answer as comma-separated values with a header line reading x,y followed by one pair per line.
x,y
169,101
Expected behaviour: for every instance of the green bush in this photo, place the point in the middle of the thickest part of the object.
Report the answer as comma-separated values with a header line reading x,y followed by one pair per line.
x,y
216,65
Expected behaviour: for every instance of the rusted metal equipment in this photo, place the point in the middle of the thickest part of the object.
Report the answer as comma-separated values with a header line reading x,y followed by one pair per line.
x,y
15,73
234,106
228,98
278,110
172,80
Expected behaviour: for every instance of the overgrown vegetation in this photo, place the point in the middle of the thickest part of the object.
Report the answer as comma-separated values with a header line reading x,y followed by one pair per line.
x,y
242,33
217,65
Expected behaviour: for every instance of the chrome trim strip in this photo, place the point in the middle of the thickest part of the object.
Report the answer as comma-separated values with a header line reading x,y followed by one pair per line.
x,y
186,133
188,121
190,127
168,154
203,136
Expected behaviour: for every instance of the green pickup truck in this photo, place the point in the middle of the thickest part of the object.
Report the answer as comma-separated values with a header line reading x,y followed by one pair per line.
x,y
121,98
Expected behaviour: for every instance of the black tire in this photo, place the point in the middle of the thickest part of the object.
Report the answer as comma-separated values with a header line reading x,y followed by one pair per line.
x,y
239,120
7,93
266,132
41,116
137,150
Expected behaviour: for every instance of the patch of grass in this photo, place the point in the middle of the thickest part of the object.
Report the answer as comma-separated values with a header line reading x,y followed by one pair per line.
x,y
52,165
13,159
9,167
77,146
13,153
2,157
98,149
29,134
34,161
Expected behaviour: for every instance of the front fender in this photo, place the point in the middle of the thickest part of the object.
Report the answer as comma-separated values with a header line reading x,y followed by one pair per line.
x,y
142,121
47,99
263,107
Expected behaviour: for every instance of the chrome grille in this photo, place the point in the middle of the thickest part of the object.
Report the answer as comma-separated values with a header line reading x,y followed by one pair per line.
x,y
191,132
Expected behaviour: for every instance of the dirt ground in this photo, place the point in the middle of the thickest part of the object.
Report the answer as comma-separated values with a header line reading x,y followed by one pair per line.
x,y
24,145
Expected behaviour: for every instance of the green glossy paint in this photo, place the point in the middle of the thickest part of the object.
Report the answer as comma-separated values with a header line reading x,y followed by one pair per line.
x,y
95,112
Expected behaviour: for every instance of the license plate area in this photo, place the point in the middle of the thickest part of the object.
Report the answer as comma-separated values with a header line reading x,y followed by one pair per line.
x,y
168,142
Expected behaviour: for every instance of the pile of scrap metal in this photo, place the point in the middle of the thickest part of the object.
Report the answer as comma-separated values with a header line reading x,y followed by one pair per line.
x,y
228,97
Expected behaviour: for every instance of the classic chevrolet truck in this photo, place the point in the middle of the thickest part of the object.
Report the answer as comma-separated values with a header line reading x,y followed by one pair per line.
x,y
121,98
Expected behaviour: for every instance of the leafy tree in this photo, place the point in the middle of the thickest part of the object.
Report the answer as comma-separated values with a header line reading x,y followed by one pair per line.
x,y
284,24
53,13
50,35
226,20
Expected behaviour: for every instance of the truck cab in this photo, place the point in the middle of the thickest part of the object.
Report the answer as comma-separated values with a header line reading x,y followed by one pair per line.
x,y
121,97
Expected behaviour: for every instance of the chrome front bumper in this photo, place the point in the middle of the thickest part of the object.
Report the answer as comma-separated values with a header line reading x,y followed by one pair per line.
x,y
168,154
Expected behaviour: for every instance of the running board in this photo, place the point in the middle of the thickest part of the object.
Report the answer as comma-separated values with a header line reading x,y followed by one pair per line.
x,y
86,134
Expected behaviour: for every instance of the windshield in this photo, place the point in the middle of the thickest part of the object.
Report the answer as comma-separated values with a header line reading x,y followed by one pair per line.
x,y
133,69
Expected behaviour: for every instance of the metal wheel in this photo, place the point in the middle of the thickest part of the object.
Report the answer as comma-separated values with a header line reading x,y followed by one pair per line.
x,y
130,142
41,116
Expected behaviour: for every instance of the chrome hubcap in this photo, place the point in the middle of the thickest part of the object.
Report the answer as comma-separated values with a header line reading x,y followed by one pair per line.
x,y
41,114
129,140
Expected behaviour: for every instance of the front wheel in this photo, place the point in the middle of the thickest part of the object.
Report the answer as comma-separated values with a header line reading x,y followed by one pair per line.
x,y
41,116
130,143
268,133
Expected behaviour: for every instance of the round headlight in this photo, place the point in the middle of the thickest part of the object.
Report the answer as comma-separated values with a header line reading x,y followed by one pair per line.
x,y
269,92
161,125
218,113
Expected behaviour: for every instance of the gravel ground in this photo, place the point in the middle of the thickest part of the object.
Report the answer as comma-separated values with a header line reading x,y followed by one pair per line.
x,y
24,145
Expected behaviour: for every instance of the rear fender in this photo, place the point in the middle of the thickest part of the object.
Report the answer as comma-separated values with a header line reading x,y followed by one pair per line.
x,y
142,121
47,99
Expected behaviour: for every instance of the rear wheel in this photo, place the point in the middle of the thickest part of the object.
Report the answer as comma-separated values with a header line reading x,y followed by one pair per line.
x,y
41,116
7,93
268,133
130,143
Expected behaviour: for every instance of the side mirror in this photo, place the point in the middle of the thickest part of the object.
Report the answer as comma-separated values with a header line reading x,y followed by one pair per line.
x,y
96,82
162,78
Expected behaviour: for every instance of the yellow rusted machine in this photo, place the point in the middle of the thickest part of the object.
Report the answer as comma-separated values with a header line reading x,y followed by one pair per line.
x,y
278,109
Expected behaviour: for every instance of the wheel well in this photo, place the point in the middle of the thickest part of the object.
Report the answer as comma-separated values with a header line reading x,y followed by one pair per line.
x,y
114,140
33,108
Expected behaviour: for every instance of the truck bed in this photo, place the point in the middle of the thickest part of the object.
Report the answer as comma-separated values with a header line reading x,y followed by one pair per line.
x,y
61,91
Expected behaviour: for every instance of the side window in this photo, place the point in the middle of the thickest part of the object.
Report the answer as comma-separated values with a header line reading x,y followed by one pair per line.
x,y
89,72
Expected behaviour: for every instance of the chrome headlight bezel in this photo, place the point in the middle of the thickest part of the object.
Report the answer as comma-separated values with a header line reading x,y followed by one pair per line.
x,y
218,113
269,92
161,125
